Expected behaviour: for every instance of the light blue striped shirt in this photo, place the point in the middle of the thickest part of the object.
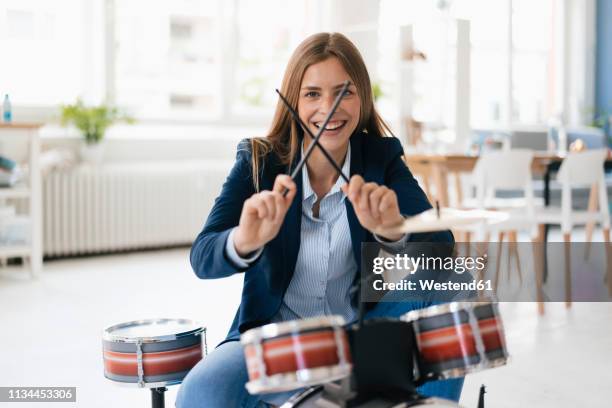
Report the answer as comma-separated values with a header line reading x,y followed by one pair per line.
x,y
325,268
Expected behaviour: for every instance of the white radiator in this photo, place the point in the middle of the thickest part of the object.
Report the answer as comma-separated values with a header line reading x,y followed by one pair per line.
x,y
128,206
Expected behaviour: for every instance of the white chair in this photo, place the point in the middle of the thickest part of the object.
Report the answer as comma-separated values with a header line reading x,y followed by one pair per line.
x,y
504,170
579,169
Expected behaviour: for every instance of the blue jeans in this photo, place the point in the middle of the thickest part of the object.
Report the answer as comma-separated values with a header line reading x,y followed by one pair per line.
x,y
218,380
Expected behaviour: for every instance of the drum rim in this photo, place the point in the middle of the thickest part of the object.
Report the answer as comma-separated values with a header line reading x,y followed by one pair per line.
x,y
437,310
158,384
473,368
297,399
289,381
107,334
437,400
272,330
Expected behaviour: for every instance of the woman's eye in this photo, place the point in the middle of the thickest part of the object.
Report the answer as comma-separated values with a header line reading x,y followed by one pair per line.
x,y
315,94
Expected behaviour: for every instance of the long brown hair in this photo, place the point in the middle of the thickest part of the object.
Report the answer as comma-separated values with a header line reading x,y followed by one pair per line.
x,y
283,136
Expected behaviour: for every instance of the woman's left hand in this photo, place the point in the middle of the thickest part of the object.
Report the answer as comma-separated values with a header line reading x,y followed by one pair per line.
x,y
375,206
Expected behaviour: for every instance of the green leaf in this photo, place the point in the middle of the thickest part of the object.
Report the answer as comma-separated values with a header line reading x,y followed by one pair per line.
x,y
92,121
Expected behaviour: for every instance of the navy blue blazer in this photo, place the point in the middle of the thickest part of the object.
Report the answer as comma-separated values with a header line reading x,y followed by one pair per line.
x,y
377,159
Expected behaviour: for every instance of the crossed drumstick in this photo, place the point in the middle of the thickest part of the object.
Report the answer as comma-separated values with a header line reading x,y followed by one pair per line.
x,y
297,118
316,138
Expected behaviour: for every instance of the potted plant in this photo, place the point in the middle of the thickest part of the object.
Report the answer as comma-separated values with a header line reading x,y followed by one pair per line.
x,y
92,121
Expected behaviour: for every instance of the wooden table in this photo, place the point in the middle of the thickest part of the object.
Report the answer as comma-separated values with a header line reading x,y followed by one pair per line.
x,y
439,167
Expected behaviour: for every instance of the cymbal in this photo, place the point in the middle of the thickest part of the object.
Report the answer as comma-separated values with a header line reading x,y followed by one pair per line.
x,y
449,218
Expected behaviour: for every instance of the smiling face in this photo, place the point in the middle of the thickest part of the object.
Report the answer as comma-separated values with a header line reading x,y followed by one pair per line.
x,y
320,86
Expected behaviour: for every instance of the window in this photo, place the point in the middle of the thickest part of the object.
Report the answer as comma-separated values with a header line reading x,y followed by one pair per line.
x,y
533,69
264,47
220,60
511,58
489,60
48,51
194,60
168,61
204,59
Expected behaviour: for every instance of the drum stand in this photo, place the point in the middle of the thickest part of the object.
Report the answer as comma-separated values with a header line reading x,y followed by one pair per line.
x,y
157,397
481,396
383,368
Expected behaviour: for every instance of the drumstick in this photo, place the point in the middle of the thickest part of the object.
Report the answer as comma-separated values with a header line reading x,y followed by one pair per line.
x,y
319,134
306,129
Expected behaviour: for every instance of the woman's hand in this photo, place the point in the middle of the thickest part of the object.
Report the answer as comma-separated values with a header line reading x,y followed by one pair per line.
x,y
262,216
375,206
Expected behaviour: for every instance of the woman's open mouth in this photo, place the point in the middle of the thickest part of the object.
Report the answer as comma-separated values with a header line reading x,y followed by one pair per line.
x,y
333,127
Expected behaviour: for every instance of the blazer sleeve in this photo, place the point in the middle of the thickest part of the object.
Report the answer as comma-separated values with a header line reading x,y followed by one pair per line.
x,y
208,257
411,198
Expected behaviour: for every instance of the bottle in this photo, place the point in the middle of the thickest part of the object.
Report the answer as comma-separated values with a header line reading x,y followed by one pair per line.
x,y
7,114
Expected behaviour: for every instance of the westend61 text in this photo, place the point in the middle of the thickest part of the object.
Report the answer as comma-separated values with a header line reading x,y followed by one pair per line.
x,y
430,284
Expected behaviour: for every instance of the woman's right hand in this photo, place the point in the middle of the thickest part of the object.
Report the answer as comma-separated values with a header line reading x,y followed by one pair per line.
x,y
262,216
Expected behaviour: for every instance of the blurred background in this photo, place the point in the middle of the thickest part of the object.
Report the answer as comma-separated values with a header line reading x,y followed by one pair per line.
x,y
500,63
121,119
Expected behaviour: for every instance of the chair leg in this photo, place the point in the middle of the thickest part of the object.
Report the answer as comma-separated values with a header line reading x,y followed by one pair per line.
x,y
468,241
481,249
538,264
510,253
458,189
568,270
462,242
592,207
427,186
440,175
500,241
515,252
608,277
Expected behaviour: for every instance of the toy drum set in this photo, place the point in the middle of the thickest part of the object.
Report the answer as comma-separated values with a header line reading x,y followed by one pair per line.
x,y
294,354
152,353
380,362
458,338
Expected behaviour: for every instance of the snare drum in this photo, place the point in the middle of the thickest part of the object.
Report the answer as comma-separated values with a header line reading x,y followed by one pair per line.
x,y
316,397
295,354
152,353
457,338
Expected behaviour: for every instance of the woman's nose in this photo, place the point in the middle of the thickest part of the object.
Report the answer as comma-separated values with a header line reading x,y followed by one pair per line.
x,y
327,102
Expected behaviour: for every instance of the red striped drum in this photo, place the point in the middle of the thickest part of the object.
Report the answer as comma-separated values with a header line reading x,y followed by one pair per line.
x,y
457,338
295,354
152,353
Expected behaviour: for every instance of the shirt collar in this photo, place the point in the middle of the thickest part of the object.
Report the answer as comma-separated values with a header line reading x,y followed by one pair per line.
x,y
307,188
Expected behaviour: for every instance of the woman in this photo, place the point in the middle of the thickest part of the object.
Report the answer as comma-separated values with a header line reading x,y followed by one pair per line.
x,y
300,252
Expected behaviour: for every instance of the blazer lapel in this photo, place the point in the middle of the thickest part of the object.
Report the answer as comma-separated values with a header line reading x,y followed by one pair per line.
x,y
358,233
291,229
